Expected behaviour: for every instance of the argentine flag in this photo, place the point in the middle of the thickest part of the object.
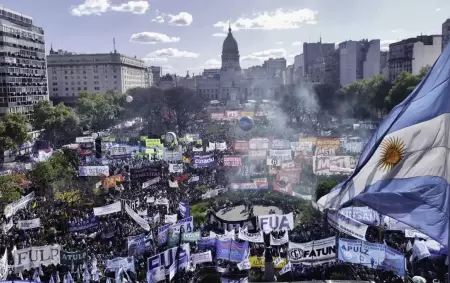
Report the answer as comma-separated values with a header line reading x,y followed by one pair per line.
x,y
404,170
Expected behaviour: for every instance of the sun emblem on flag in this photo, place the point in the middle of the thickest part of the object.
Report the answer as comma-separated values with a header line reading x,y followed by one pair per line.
x,y
392,152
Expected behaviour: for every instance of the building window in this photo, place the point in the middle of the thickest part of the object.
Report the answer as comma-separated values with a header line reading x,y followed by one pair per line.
x,y
96,88
55,83
55,89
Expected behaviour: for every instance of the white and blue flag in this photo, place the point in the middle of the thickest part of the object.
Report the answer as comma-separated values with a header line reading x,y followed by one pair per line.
x,y
404,170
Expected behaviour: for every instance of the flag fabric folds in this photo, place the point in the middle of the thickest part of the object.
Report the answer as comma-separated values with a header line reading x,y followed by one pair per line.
x,y
404,170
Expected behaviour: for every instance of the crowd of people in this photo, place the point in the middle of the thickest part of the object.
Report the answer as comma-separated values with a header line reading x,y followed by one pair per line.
x,y
107,239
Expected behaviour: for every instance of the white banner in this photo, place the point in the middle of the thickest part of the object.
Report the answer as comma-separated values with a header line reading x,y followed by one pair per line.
x,y
257,237
170,218
201,257
259,143
314,252
276,222
4,266
139,220
282,154
257,154
280,144
17,205
119,150
288,165
244,265
151,182
29,224
187,224
415,234
347,225
173,184
92,171
176,168
273,161
108,209
29,258
84,139
281,241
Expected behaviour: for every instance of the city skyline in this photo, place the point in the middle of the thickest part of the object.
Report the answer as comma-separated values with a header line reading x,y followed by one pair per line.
x,y
180,36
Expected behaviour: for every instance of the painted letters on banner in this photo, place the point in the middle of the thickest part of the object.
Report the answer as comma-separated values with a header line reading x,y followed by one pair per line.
x,y
364,215
167,258
289,176
171,156
331,165
29,224
139,220
132,203
259,262
282,187
232,115
145,172
241,146
314,252
84,139
347,225
279,241
139,244
244,186
231,250
202,161
73,258
201,257
259,154
276,222
329,142
281,154
187,224
108,209
83,225
127,263
371,255
257,237
17,205
232,161
93,171
151,182
176,168
28,258
259,143
280,144
226,225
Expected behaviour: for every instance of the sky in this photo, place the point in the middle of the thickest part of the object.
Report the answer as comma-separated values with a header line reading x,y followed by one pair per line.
x,y
187,35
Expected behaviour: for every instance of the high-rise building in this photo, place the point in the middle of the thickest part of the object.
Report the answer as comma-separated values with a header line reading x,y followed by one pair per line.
x,y
413,54
445,33
358,60
313,53
149,77
157,74
23,71
71,73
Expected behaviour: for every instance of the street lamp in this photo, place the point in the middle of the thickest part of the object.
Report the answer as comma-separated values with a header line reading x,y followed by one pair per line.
x,y
129,99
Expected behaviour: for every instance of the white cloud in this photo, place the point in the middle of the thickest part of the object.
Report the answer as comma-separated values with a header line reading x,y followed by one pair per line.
x,y
158,19
152,38
98,7
135,7
213,63
279,42
278,20
397,30
171,53
384,44
297,43
438,9
219,34
150,60
182,19
266,54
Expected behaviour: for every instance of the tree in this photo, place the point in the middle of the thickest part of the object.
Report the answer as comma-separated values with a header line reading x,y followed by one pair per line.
x,y
99,111
9,188
324,188
60,124
183,105
13,133
403,85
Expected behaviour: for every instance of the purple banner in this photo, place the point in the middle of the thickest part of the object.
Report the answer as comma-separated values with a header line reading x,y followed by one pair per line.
x,y
231,250
201,161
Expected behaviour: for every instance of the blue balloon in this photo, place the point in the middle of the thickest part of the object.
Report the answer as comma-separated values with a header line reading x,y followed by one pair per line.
x,y
246,123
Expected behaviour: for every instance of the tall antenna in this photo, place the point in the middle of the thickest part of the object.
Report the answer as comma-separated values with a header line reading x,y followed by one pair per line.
x,y
114,44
